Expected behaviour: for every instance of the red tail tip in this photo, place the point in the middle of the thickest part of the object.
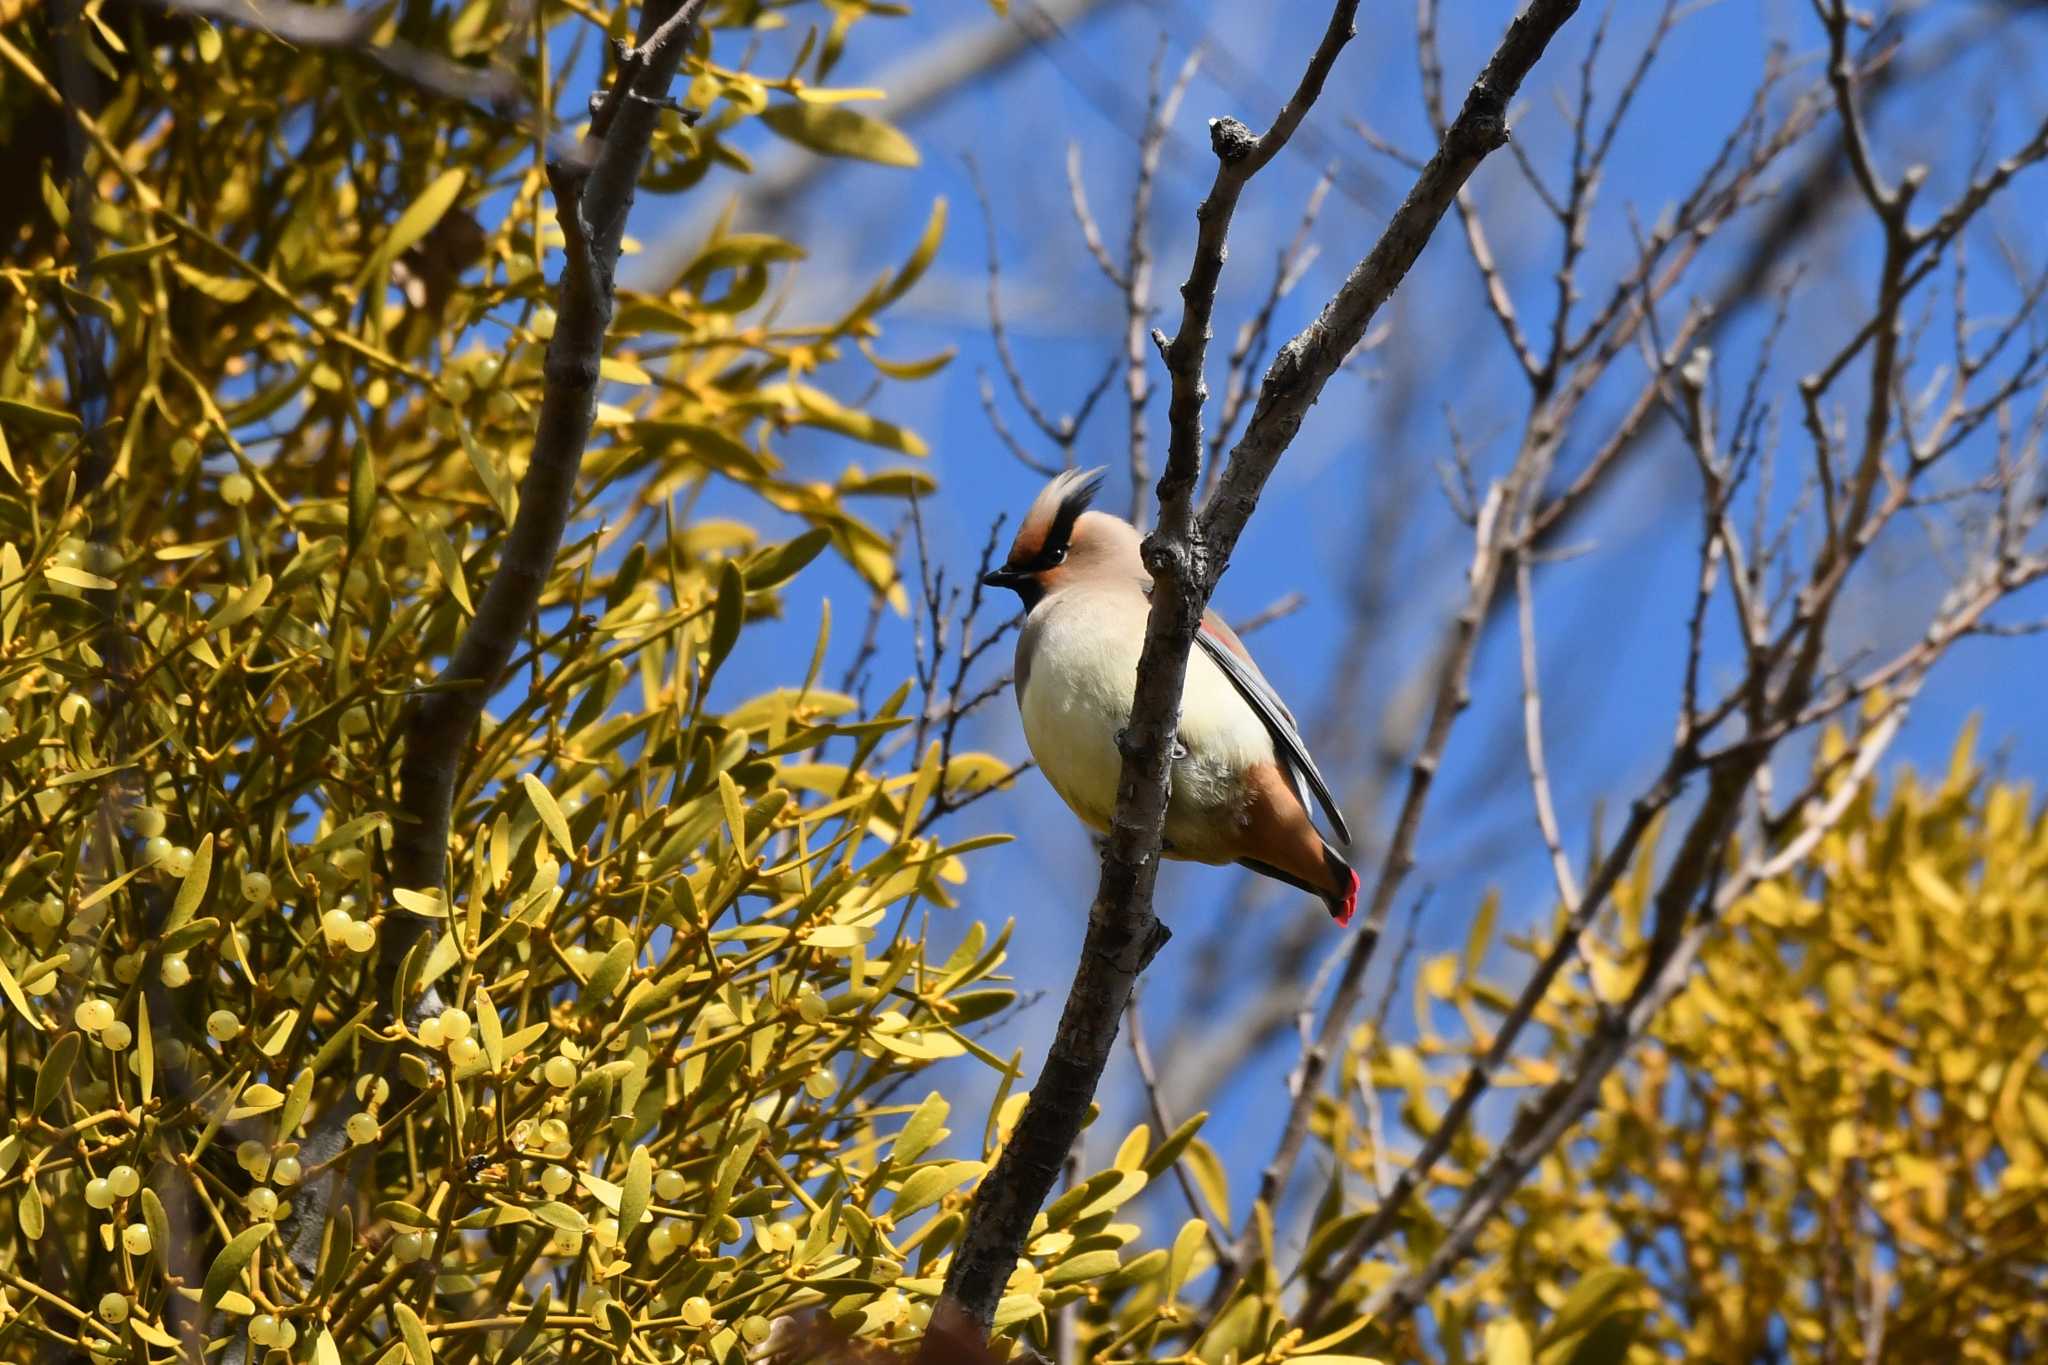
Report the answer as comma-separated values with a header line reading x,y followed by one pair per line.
x,y
1343,916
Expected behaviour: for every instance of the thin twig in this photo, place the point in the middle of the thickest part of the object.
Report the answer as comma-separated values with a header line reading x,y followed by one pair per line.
x,y
1162,1123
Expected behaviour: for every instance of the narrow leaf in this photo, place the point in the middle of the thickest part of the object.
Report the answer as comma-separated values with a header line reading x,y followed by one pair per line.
x,y
54,1072
550,813
227,1267
192,889
835,130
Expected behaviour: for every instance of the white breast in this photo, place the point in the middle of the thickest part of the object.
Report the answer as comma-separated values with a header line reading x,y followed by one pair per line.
x,y
1083,650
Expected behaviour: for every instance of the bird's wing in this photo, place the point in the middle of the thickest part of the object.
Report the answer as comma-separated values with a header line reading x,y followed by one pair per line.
x,y
1220,643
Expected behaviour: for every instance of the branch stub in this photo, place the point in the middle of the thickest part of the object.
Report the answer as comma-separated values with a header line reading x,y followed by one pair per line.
x,y
1231,140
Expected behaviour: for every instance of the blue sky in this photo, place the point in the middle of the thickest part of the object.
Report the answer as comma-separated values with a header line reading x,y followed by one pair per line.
x,y
1610,618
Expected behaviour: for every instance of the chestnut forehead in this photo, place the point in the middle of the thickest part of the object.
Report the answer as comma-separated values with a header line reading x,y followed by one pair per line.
x,y
1050,522
1030,540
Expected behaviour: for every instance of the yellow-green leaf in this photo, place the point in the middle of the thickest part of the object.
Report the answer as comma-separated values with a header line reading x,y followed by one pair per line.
x,y
550,813
1088,1265
427,903
1207,1173
1930,884
362,492
561,1217
25,416
836,130
216,287
413,1332
227,1267
921,1130
606,976
636,1190
241,606
12,989
727,615
28,1211
54,1072
76,578
490,1029
419,218
1508,1343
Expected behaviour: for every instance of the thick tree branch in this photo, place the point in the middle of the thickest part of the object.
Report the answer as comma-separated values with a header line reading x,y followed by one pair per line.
x,y
1123,933
594,190
1186,556
592,200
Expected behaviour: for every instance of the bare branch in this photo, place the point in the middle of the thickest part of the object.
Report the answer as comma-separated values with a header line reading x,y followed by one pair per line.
x,y
1162,1123
1123,933
1137,274
1279,610
1293,262
1084,217
1059,431
1293,383
1532,730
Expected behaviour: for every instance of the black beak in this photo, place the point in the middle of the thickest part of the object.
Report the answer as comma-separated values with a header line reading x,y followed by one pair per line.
x,y
1006,578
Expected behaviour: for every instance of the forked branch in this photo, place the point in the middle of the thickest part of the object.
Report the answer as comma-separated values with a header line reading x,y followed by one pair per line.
x,y
1186,556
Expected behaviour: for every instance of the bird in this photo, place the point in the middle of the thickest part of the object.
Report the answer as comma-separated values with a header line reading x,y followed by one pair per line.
x,y
1241,777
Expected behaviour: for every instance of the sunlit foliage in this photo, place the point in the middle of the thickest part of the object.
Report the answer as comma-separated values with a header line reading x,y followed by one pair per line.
x,y
647,1082
1830,1148
276,357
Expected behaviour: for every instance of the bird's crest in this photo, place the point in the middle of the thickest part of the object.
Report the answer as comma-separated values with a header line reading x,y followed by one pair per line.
x,y
1050,523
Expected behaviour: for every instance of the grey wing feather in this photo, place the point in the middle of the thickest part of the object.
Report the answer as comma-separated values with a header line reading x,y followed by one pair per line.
x,y
1279,720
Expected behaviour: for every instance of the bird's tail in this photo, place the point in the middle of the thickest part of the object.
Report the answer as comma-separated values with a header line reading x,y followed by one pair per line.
x,y
1343,904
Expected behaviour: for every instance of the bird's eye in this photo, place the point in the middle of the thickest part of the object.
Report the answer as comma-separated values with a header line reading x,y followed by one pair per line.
x,y
1059,556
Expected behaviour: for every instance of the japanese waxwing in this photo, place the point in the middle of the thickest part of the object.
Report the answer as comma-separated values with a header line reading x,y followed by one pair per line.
x,y
1241,778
